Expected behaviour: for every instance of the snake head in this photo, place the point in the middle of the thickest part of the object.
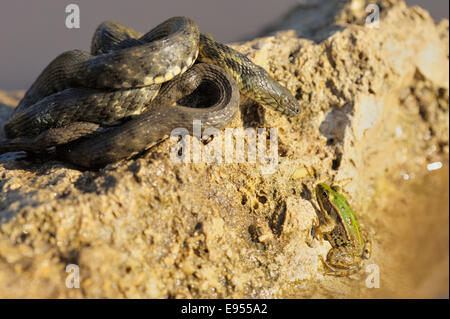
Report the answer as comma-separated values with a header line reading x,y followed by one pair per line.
x,y
278,98
286,103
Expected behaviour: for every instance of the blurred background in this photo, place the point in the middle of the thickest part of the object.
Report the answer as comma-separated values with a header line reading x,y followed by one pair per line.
x,y
32,33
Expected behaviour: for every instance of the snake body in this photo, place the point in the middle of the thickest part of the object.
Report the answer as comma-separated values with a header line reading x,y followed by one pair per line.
x,y
103,106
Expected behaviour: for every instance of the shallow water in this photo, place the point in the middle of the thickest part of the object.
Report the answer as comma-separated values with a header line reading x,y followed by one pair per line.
x,y
413,237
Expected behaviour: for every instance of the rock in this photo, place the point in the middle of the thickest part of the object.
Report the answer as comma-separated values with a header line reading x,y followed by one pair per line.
x,y
376,113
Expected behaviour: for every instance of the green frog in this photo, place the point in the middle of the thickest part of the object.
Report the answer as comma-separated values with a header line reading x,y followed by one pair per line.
x,y
338,224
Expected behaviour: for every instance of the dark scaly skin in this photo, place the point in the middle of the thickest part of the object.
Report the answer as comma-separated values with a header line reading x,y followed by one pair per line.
x,y
145,130
254,82
215,106
79,104
51,137
70,93
83,74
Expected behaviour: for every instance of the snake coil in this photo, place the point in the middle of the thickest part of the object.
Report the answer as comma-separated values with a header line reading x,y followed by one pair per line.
x,y
132,90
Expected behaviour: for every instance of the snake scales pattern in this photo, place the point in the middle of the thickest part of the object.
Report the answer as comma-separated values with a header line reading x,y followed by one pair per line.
x,y
132,90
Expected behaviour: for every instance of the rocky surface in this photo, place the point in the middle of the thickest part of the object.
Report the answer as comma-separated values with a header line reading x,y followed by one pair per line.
x,y
376,113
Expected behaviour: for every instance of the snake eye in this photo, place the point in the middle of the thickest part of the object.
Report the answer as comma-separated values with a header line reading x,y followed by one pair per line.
x,y
284,100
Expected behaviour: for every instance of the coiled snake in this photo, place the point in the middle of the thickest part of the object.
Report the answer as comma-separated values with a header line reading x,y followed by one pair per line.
x,y
132,90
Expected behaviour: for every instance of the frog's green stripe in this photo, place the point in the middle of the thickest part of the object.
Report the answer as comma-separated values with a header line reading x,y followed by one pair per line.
x,y
348,217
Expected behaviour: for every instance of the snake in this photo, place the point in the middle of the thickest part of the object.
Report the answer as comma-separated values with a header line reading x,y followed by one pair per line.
x,y
132,89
